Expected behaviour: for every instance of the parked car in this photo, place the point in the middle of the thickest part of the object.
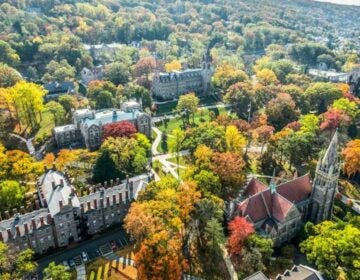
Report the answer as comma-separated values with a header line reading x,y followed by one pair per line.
x,y
84,257
72,263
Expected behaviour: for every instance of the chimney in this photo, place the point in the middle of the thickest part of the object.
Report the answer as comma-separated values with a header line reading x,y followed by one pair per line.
x,y
95,203
26,226
45,203
9,233
33,223
62,182
60,204
7,215
37,205
127,181
42,221
127,195
70,201
114,199
120,197
89,206
49,219
53,185
1,237
107,201
17,231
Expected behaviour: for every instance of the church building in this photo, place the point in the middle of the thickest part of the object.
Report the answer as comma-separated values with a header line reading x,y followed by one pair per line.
x,y
280,211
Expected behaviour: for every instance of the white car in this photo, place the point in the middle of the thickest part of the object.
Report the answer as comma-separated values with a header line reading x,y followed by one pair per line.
x,y
84,257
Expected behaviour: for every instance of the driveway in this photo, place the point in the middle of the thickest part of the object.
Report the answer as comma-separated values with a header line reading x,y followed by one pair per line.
x,y
89,246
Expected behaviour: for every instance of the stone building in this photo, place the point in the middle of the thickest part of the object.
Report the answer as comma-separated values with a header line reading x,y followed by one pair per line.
x,y
280,211
55,90
64,218
297,272
94,74
88,124
169,86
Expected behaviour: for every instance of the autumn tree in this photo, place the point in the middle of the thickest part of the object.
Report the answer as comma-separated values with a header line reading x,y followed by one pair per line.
x,y
263,134
174,65
333,119
188,104
68,102
119,129
239,229
351,157
56,272
235,141
11,195
266,77
349,107
226,75
240,95
56,110
281,111
7,54
8,76
230,169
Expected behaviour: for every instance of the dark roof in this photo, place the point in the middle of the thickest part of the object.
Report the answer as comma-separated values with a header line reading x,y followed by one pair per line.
x,y
300,272
254,187
63,87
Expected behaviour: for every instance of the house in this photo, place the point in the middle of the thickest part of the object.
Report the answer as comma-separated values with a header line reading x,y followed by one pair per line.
x,y
94,74
55,90
297,272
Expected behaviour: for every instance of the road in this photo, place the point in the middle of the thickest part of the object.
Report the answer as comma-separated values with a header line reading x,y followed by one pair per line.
x,y
89,246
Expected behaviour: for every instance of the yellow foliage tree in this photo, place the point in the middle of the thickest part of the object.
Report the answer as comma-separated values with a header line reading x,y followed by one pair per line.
x,y
235,141
266,77
174,65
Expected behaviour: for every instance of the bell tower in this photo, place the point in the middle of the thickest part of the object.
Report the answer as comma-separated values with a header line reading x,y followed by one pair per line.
x,y
325,183
207,70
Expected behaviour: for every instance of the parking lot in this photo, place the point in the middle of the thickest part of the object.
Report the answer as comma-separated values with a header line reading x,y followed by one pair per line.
x,y
86,251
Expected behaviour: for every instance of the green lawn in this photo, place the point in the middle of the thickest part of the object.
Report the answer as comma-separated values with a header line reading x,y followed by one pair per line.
x,y
184,161
200,116
46,125
157,166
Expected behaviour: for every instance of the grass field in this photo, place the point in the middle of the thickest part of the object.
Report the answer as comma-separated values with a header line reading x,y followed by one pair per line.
x,y
46,125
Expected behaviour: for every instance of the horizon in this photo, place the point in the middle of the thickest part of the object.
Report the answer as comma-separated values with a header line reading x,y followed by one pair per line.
x,y
342,2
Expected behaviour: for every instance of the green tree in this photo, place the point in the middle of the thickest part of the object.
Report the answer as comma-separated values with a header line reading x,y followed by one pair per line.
x,y
117,73
240,96
333,245
188,103
104,168
176,144
57,110
68,102
349,107
104,100
309,123
56,272
7,54
11,195
215,238
322,95
208,182
8,76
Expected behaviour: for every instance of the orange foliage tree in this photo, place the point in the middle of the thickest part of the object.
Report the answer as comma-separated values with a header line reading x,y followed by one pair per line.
x,y
239,229
351,155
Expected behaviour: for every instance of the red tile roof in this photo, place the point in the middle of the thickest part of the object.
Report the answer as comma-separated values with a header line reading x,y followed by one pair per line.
x,y
297,189
280,207
254,187
254,207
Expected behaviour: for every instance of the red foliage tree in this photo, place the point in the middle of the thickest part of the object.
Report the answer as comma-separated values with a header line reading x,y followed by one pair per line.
x,y
119,129
239,229
242,126
333,119
294,125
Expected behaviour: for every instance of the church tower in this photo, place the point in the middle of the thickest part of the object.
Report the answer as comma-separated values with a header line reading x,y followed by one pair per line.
x,y
207,70
325,183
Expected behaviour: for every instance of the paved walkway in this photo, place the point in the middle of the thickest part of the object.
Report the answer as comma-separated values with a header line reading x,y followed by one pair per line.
x,y
157,141
80,272
229,265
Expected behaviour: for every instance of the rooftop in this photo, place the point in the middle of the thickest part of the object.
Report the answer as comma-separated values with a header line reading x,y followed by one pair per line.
x,y
110,116
63,128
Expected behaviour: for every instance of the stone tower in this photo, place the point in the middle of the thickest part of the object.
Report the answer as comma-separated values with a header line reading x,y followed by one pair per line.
x,y
207,70
325,183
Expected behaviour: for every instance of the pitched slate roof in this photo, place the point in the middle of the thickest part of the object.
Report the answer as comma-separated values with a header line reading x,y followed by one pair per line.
x,y
254,187
280,207
297,189
257,276
56,87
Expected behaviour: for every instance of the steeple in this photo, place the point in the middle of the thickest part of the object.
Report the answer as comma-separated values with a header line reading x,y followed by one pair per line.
x,y
272,184
325,183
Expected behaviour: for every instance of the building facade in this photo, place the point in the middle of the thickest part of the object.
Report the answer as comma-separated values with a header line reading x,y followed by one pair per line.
x,y
169,86
280,211
94,74
88,125
354,81
55,90
64,218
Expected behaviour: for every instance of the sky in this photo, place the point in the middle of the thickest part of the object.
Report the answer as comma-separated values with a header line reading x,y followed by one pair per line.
x,y
345,2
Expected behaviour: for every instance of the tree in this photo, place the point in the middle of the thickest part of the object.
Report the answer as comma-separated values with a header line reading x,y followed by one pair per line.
x,y
309,123
188,103
59,72
266,77
174,65
297,94
263,134
235,141
56,272
7,54
322,95
333,119
145,66
104,100
215,238
281,111
208,182
351,157
24,265
239,229
117,73
240,96
333,245
176,144
349,107
11,195
203,155
226,75
119,129
105,168
68,102
8,76
230,169
56,110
